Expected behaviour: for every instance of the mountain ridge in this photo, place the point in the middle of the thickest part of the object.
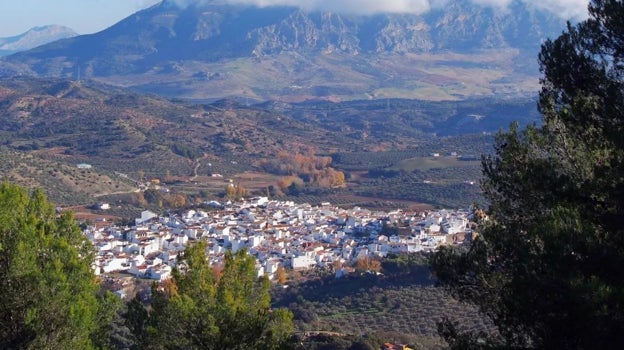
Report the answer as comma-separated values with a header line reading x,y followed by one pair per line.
x,y
34,37
191,52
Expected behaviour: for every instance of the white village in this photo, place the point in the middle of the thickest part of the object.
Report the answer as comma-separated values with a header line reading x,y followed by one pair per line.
x,y
277,233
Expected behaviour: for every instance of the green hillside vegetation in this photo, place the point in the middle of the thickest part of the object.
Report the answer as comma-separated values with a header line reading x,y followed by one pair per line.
x,y
432,77
48,287
429,163
403,304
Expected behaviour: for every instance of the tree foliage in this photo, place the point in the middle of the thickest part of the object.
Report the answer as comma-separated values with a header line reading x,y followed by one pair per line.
x,y
235,192
298,168
47,285
111,332
199,310
368,264
546,267
281,275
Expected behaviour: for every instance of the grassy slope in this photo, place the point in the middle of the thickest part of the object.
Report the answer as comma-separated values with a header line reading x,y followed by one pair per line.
x,y
65,184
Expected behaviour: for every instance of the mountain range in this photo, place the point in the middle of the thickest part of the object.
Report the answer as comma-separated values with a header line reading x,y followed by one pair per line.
x,y
34,37
212,50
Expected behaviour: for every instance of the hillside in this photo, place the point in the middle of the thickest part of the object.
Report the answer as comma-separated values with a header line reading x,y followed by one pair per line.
x,y
210,51
149,137
62,182
95,122
100,123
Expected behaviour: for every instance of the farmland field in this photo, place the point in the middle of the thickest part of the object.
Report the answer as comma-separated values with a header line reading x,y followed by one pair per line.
x,y
428,163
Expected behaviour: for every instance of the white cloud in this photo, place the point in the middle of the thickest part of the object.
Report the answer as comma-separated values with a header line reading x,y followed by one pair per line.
x,y
567,9
364,7
564,8
493,3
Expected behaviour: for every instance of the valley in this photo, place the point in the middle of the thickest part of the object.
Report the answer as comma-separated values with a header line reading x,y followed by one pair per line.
x,y
381,151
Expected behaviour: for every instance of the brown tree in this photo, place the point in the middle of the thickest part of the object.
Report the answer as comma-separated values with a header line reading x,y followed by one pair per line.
x,y
365,264
281,275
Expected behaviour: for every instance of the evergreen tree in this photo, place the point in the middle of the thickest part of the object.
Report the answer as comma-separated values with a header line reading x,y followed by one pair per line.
x,y
546,267
112,332
200,310
135,320
47,287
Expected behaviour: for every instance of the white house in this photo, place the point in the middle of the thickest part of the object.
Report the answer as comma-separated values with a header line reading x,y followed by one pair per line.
x,y
271,266
303,262
146,216
117,262
159,272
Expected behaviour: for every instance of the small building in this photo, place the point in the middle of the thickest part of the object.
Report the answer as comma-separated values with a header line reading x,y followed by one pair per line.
x,y
302,262
146,216
84,166
103,206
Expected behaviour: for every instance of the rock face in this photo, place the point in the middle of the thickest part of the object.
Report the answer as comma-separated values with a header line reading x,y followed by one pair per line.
x,y
34,37
163,39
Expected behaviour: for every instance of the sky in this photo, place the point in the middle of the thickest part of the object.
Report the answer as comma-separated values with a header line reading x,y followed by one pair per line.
x,y
83,16
90,16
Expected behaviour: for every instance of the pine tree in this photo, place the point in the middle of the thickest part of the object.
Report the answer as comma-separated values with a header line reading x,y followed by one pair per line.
x,y
48,290
546,267
197,310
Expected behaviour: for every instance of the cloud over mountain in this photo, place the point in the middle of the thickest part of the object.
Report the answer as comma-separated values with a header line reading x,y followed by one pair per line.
x,y
568,9
354,6
303,54
563,8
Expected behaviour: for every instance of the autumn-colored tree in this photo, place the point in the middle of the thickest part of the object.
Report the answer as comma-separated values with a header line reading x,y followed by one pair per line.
x,y
285,182
177,200
139,199
230,191
281,275
168,178
366,263
337,265
240,191
235,192
217,272
336,178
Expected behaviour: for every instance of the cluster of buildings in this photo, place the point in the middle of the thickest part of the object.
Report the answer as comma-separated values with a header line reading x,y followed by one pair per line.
x,y
277,233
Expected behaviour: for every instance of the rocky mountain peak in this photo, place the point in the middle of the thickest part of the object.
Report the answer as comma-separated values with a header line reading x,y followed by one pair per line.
x,y
34,37
235,50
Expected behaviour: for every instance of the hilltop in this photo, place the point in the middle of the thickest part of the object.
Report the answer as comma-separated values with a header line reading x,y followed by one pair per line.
x,y
34,37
